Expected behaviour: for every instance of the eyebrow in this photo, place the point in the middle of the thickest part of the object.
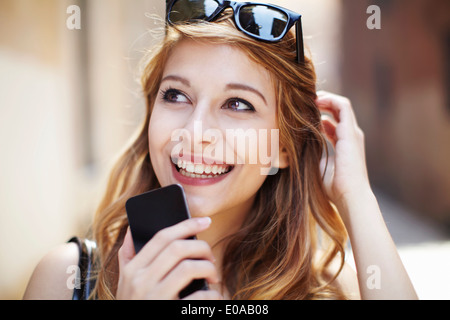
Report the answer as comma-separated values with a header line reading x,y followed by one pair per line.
x,y
230,86
177,78
239,86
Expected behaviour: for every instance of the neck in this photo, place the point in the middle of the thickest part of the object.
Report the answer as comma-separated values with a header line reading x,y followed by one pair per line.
x,y
223,225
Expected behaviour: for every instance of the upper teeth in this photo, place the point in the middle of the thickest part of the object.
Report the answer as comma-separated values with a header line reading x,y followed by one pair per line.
x,y
201,168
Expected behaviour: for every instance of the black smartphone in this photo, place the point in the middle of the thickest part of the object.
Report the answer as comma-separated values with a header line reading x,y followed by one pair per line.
x,y
155,210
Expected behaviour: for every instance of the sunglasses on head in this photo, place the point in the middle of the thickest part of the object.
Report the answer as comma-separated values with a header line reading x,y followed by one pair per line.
x,y
261,21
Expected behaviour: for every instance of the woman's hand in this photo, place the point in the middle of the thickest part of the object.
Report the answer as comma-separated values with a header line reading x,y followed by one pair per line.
x,y
346,171
167,264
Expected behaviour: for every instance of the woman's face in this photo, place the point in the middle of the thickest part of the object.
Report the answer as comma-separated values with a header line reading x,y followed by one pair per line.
x,y
213,102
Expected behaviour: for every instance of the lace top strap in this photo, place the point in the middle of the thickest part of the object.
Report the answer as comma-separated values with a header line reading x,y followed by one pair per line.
x,y
84,287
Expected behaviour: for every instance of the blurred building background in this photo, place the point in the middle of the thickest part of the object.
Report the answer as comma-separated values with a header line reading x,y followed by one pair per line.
x,y
398,78
70,99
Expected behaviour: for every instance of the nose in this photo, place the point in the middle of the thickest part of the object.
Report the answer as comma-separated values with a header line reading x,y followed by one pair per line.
x,y
197,130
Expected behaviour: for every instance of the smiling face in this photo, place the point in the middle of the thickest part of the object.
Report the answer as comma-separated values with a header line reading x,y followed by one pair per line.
x,y
208,91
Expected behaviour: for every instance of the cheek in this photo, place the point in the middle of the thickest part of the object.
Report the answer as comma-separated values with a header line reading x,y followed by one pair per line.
x,y
161,126
159,135
154,134
258,147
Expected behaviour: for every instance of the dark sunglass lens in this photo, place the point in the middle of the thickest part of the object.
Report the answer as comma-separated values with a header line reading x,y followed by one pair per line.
x,y
188,10
262,21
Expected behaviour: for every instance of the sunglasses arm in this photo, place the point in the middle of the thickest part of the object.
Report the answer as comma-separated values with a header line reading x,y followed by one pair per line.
x,y
299,36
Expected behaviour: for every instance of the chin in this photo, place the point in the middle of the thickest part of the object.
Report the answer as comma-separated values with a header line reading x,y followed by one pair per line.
x,y
201,206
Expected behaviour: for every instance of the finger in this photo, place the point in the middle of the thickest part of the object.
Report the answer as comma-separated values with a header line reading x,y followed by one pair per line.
x,y
329,105
204,295
187,271
329,129
323,102
340,106
327,110
347,126
176,252
163,238
126,251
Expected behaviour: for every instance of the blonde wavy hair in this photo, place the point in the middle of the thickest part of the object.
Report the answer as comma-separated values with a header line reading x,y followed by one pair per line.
x,y
273,255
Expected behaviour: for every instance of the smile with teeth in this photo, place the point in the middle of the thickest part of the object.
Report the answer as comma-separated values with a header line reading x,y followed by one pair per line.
x,y
189,169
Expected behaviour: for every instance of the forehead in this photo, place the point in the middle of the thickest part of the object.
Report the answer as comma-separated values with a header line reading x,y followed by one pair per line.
x,y
218,63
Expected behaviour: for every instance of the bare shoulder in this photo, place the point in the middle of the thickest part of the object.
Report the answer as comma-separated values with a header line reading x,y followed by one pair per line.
x,y
49,279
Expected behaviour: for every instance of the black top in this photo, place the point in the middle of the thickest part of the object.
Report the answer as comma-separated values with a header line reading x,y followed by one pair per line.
x,y
85,285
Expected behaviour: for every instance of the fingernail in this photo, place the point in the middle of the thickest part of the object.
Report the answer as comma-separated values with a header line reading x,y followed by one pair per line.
x,y
204,221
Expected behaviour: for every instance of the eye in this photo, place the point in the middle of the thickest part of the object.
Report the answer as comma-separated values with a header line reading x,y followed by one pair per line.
x,y
237,104
174,96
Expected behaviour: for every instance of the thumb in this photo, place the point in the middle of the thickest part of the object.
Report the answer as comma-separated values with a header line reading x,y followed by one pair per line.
x,y
126,251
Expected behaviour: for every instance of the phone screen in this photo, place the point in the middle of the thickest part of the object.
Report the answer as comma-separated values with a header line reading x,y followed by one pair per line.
x,y
155,210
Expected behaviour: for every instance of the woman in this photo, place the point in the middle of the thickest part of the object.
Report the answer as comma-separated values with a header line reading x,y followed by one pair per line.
x,y
280,235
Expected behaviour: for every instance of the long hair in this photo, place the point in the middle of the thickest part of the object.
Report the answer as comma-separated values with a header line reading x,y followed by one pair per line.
x,y
274,254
